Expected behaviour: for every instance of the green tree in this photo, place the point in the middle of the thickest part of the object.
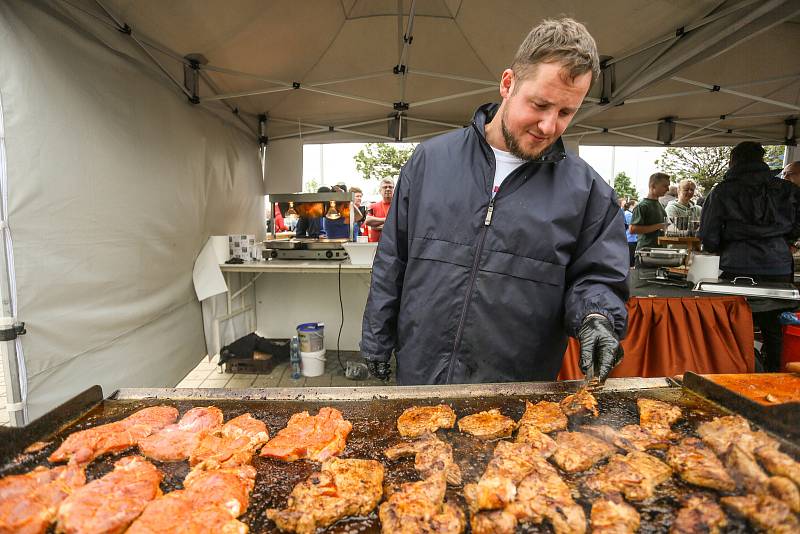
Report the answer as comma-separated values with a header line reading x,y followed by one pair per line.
x,y
774,156
312,186
381,160
704,165
624,187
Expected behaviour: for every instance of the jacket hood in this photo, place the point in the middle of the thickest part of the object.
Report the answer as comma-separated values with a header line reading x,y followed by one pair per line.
x,y
750,172
484,115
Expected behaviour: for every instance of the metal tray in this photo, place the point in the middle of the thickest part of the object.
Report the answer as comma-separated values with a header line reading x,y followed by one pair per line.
x,y
747,287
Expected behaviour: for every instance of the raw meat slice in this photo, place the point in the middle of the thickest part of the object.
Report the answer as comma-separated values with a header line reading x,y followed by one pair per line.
x,y
635,475
342,488
176,442
86,445
699,515
764,512
544,416
577,451
316,437
231,445
698,465
110,504
580,404
628,438
417,420
657,417
612,515
431,455
208,504
419,508
28,502
490,424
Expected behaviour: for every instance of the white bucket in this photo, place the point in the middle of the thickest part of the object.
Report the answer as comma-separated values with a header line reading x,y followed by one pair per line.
x,y
313,362
311,336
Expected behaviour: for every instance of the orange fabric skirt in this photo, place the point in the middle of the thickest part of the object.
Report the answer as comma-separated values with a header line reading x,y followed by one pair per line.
x,y
668,336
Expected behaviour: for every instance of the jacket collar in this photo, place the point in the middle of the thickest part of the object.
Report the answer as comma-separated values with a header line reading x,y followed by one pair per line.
x,y
484,114
750,172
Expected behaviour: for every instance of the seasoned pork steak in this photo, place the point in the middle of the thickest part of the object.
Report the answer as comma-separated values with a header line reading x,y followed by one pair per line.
x,y
612,515
342,487
657,417
698,465
700,514
577,451
544,416
628,438
779,463
419,508
316,437
580,404
431,455
417,420
635,475
766,513
720,433
231,445
176,442
487,425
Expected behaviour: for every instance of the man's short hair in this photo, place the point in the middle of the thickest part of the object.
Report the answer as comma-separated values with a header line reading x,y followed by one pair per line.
x,y
356,190
686,181
658,177
387,181
564,41
747,152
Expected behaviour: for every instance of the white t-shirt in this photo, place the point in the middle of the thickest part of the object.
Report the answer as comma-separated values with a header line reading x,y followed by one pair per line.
x,y
506,164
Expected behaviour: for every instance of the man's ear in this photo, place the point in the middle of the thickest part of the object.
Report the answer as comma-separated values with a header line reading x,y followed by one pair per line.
x,y
507,81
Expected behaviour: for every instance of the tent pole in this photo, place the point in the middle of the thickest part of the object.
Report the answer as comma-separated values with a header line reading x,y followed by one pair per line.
x,y
451,97
721,89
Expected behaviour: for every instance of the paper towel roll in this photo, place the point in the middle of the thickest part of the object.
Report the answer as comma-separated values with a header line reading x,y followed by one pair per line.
x,y
704,267
220,244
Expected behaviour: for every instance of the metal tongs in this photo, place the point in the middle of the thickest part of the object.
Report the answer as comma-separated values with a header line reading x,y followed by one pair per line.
x,y
590,381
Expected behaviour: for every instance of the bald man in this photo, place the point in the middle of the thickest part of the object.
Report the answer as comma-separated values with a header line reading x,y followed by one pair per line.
x,y
792,173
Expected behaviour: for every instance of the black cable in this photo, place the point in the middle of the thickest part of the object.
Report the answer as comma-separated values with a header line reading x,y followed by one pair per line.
x,y
341,322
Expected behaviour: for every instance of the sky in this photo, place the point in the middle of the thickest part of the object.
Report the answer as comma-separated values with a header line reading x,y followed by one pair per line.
x,y
331,163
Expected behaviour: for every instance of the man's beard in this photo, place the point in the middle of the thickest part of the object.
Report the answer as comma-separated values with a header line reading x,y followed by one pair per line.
x,y
513,145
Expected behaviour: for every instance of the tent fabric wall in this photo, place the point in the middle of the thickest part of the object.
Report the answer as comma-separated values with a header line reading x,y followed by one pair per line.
x,y
114,183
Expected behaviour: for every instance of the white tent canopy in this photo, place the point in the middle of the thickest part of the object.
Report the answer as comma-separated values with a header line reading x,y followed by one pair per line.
x,y
130,130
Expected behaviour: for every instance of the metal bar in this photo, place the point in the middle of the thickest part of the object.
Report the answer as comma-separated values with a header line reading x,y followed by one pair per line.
x,y
296,122
351,79
737,93
663,96
453,77
639,137
451,97
206,78
429,134
246,93
365,123
742,133
637,125
408,36
700,129
643,68
246,286
356,132
389,105
435,123
292,136
686,139
234,313
223,70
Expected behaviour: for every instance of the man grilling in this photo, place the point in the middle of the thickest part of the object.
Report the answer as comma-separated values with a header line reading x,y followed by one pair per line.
x,y
498,244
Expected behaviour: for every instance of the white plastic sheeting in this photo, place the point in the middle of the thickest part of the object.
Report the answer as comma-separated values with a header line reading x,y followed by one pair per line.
x,y
114,183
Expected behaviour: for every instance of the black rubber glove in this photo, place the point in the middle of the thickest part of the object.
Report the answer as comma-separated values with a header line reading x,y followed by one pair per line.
x,y
380,370
600,348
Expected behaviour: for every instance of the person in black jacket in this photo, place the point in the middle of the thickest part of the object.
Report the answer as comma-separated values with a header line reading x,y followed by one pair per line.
x,y
498,243
749,219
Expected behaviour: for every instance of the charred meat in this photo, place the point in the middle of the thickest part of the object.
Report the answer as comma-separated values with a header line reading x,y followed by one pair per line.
x,y
110,503
231,445
580,404
779,463
341,488
176,442
86,445
698,465
544,444
419,508
612,515
418,420
431,455
544,416
493,522
657,417
699,515
763,512
316,437
29,502
490,424
720,433
628,438
635,475
576,451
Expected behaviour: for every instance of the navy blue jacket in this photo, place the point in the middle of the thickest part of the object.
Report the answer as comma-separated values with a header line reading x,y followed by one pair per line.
x,y
469,290
749,219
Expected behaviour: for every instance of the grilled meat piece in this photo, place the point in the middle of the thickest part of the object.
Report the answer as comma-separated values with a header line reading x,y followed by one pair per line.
x,y
784,489
431,455
698,465
316,437
580,404
28,502
750,477
86,445
418,420
657,417
209,503
764,512
628,438
612,515
544,416
720,433
494,522
341,488
544,444
779,463
635,475
231,445
577,451
497,487
699,515
541,495
110,503
490,424
419,508
176,442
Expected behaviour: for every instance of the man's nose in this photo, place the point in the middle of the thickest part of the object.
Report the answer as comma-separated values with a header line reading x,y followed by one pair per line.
x,y
547,124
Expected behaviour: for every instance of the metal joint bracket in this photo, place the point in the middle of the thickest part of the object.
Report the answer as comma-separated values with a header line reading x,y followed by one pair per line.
x,y
722,117
401,106
680,31
127,30
3,225
715,89
399,69
10,332
408,38
605,130
295,85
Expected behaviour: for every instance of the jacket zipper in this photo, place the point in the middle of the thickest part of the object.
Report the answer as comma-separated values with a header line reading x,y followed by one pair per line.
x,y
459,332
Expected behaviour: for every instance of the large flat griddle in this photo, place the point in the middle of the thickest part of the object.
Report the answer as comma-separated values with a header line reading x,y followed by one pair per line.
x,y
373,412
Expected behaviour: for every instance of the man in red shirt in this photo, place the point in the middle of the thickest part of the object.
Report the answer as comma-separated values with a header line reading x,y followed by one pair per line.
x,y
376,215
